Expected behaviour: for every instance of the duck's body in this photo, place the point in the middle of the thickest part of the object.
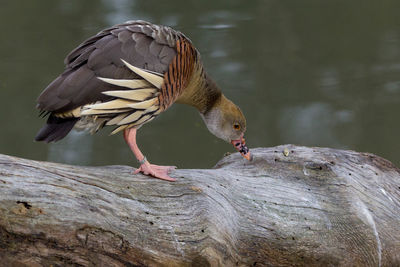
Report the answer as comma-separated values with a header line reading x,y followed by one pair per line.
x,y
127,75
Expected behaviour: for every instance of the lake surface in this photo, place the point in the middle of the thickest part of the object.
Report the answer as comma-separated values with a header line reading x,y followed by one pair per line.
x,y
314,73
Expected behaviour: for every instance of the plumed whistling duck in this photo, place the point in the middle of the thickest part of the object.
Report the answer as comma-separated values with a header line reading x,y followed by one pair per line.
x,y
127,75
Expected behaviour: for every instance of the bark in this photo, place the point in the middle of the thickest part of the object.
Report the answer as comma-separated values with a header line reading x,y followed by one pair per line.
x,y
290,206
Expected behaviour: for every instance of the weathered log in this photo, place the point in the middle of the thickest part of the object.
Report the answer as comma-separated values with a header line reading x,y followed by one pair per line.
x,y
290,206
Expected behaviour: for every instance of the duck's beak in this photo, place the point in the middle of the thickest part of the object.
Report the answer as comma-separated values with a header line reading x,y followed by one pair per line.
x,y
240,146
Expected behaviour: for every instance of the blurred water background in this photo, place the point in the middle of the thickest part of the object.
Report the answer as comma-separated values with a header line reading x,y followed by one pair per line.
x,y
314,73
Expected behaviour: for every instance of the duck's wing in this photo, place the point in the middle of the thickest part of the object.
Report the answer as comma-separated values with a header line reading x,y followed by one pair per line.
x,y
139,43
126,74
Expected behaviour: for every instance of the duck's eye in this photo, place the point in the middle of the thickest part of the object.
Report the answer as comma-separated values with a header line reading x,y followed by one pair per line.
x,y
236,126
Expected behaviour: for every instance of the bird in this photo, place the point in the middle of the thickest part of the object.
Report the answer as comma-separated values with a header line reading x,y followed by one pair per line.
x,y
127,75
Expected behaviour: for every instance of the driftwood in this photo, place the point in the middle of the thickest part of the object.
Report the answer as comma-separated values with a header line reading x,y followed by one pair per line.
x,y
290,206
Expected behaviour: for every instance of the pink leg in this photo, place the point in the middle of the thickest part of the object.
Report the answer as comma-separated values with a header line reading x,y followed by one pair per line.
x,y
160,172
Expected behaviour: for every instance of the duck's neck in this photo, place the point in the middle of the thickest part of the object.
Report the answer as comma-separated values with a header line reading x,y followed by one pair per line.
x,y
201,92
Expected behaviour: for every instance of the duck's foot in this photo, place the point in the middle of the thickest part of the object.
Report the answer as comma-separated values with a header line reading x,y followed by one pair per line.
x,y
160,172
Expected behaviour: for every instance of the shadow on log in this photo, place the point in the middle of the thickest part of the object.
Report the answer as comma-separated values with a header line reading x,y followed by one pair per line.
x,y
290,206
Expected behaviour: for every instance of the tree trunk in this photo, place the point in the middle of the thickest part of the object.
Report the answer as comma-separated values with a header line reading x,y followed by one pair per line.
x,y
290,206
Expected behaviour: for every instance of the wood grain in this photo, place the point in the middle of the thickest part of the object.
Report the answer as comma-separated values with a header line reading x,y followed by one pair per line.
x,y
290,206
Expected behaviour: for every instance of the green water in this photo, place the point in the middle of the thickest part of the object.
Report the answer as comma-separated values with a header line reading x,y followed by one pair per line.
x,y
315,73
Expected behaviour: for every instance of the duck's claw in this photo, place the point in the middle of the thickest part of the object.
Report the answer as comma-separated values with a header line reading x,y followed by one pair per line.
x,y
160,172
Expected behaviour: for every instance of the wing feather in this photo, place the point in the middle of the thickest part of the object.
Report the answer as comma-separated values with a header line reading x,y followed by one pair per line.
x,y
136,95
155,79
133,84
104,112
131,118
116,119
113,104
144,104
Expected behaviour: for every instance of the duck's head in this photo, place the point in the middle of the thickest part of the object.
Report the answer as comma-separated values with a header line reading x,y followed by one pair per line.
x,y
226,121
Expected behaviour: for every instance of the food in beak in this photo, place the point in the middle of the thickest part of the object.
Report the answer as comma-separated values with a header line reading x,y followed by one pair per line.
x,y
240,146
